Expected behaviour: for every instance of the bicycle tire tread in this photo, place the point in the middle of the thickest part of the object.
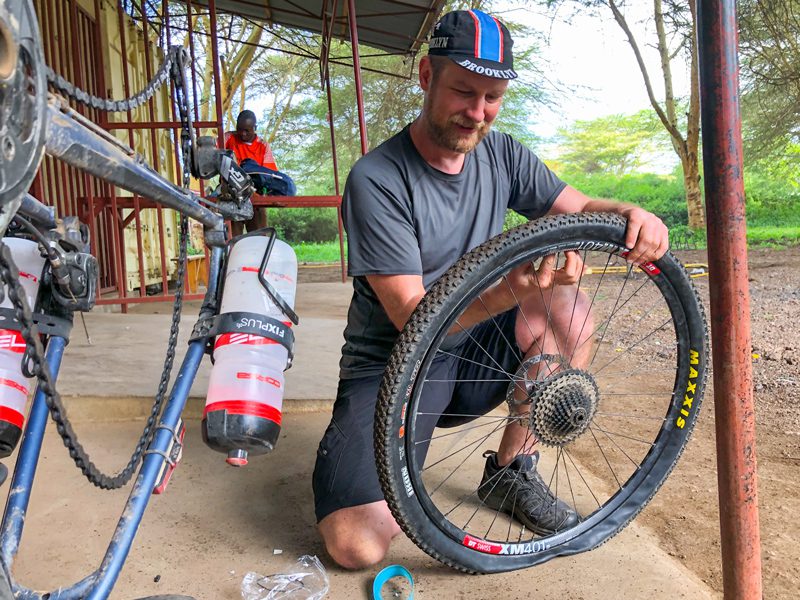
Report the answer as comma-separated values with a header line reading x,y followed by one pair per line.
x,y
413,334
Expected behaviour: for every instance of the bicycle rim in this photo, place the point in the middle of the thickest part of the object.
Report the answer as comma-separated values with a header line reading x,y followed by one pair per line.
x,y
643,351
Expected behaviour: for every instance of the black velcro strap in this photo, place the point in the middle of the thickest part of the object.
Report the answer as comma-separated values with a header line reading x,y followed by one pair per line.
x,y
47,324
255,324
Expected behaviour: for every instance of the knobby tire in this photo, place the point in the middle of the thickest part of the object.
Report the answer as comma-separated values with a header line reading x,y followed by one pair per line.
x,y
680,344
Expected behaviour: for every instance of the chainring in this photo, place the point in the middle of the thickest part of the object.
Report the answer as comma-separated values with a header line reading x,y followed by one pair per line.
x,y
23,98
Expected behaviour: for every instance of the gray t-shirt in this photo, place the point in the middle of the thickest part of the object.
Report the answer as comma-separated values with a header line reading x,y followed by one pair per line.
x,y
403,217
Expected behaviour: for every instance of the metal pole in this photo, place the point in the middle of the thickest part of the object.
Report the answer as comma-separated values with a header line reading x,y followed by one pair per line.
x,y
162,246
730,300
362,121
339,222
212,8
122,284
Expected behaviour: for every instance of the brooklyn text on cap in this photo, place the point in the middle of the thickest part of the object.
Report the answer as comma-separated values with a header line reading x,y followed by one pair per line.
x,y
476,41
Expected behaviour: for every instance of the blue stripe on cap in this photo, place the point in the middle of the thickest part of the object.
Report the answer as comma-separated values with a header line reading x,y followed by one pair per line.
x,y
489,36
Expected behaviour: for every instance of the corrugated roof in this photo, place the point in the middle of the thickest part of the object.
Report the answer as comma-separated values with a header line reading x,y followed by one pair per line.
x,y
394,26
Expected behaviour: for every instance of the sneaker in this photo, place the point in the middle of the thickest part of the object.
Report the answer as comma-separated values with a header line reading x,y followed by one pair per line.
x,y
519,490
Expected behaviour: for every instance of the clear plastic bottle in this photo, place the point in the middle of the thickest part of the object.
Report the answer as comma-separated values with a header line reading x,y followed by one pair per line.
x,y
245,390
14,387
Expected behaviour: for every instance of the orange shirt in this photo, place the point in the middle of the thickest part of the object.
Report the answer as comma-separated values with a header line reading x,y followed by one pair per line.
x,y
257,150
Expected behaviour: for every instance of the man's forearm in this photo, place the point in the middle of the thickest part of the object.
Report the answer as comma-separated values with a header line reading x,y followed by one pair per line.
x,y
492,302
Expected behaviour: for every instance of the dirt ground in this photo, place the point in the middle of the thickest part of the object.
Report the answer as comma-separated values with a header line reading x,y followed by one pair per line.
x,y
684,514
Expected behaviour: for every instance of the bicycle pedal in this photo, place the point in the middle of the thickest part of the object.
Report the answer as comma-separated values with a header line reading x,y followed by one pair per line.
x,y
173,454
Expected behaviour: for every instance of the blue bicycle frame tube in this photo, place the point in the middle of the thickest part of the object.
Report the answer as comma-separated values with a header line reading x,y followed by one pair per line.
x,y
143,487
25,469
132,515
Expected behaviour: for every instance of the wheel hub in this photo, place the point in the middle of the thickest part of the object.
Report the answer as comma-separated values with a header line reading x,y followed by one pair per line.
x,y
563,406
529,377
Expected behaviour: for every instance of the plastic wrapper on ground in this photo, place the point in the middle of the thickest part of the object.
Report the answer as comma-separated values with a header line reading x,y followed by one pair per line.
x,y
307,580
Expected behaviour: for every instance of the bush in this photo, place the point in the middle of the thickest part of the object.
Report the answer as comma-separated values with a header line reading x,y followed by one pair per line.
x,y
513,219
683,238
662,195
296,225
771,202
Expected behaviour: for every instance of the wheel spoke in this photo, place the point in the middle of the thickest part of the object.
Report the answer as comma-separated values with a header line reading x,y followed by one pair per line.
x,y
477,444
613,441
605,458
600,425
632,346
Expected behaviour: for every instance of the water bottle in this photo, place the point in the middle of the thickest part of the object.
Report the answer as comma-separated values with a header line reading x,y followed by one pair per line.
x,y
245,391
14,386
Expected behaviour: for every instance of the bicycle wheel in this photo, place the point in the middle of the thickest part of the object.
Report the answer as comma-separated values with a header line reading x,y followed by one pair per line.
x,y
609,430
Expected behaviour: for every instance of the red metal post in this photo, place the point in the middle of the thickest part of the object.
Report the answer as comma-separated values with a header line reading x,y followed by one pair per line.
x,y
362,121
123,283
335,172
195,103
212,7
190,25
730,300
156,161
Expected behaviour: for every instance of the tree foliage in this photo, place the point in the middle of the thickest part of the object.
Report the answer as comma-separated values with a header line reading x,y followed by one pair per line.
x,y
392,99
673,35
616,144
770,77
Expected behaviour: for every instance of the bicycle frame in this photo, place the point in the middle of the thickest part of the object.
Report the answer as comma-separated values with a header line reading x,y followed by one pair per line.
x,y
79,143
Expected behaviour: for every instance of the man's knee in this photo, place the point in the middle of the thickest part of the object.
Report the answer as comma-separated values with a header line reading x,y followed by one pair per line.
x,y
580,325
564,310
350,552
358,537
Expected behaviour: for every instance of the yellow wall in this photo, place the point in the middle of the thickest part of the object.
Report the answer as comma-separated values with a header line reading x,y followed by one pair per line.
x,y
164,156
156,147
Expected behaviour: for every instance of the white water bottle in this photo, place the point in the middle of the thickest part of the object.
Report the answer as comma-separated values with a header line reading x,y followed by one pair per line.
x,y
14,386
245,390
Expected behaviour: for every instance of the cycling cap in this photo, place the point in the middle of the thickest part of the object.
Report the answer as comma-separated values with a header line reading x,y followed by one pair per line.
x,y
476,41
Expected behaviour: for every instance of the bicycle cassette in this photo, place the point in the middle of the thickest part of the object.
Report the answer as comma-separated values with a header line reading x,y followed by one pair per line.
x,y
563,406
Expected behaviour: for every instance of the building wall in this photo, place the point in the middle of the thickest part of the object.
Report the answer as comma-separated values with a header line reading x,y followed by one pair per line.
x,y
87,42
156,146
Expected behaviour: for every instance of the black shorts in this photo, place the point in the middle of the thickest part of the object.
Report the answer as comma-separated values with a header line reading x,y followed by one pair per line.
x,y
345,474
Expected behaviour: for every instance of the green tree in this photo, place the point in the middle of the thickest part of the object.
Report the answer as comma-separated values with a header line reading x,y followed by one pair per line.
x,y
616,144
674,37
392,100
769,34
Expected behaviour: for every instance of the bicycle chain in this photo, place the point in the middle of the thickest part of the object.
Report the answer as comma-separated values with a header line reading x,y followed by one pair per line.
x,y
75,93
35,352
181,89
10,277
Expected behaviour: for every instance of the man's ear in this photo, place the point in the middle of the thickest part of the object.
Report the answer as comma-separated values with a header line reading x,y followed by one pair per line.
x,y
425,73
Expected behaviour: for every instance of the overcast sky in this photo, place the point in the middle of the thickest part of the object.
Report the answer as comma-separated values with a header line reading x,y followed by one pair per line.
x,y
594,53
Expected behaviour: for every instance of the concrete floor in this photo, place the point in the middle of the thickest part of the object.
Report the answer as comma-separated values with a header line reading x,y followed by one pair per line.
x,y
215,522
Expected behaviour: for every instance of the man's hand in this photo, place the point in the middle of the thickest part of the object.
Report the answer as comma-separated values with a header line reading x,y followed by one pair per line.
x,y
524,278
647,237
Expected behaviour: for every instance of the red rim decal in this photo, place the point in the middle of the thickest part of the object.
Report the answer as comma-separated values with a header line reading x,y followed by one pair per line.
x,y
480,545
